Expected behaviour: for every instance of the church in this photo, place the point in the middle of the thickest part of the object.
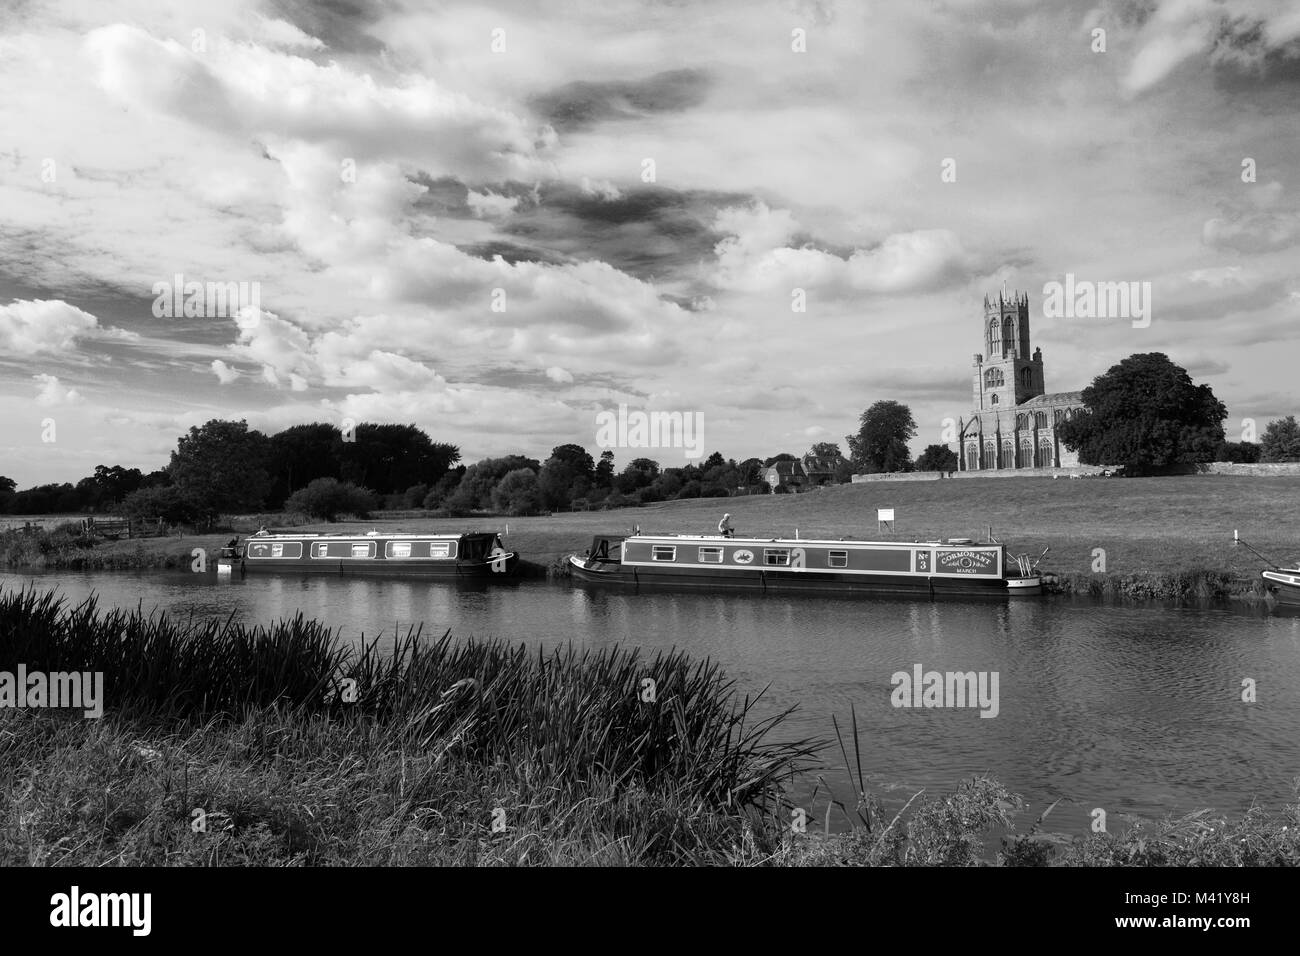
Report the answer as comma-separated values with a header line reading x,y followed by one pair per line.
x,y
1014,421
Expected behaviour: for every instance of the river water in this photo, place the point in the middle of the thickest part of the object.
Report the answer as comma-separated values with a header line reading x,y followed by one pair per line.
x,y
1134,709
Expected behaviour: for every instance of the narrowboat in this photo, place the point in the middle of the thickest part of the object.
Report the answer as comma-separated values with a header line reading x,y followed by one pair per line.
x,y
477,554
1284,583
925,569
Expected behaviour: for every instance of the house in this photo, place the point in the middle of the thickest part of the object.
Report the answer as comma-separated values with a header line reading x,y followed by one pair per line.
x,y
818,471
786,474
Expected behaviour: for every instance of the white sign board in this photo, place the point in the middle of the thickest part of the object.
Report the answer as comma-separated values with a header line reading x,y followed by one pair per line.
x,y
884,514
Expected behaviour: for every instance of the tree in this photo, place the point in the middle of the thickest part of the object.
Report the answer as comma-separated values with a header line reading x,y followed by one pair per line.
x,y
881,442
443,488
166,502
604,476
221,467
784,456
517,493
1281,440
328,498
301,454
937,458
391,458
556,480
1238,452
1145,414
577,458
639,473
474,491
115,483
7,485
826,449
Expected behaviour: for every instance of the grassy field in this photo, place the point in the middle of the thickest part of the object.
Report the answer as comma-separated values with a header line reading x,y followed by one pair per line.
x,y
228,745
1161,537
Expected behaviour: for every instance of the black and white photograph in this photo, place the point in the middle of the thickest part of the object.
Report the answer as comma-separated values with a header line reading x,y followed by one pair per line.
x,y
644,435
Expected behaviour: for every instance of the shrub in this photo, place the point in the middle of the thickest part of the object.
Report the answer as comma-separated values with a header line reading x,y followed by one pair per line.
x,y
328,497
167,502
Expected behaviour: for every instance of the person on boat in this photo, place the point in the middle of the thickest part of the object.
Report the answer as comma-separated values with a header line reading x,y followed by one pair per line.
x,y
261,532
724,527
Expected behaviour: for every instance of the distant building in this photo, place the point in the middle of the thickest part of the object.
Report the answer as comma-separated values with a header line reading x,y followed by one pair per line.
x,y
785,474
811,471
1014,421
818,471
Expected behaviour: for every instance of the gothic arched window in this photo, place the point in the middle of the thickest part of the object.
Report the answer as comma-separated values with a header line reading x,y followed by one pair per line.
x,y
993,400
995,340
1027,377
1008,337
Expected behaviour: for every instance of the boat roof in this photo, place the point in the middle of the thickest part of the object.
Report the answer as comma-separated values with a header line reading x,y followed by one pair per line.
x,y
720,539
390,535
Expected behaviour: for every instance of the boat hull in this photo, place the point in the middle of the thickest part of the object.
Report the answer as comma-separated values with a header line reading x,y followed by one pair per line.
x,y
762,580
433,557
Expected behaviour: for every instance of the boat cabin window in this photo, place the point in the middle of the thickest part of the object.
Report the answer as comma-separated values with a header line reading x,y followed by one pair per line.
x,y
710,555
776,557
363,549
663,552
440,549
837,559
399,549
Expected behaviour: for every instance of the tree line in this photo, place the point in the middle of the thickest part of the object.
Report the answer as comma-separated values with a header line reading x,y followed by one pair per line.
x,y
1144,414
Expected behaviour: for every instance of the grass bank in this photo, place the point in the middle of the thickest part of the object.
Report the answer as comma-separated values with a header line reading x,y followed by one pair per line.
x,y
1163,538
222,744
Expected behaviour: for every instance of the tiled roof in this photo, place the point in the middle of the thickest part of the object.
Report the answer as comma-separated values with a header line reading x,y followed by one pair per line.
x,y
1055,398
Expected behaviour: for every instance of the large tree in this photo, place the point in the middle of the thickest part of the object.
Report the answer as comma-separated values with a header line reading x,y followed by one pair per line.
x,y
881,442
1281,440
301,454
392,458
937,458
222,467
1146,415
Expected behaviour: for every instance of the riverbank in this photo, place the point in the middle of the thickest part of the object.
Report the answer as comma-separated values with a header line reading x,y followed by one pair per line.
x,y
1142,538
249,746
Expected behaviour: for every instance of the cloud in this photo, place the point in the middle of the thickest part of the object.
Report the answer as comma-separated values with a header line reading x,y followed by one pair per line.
x,y
42,326
756,256
557,374
225,374
489,205
52,393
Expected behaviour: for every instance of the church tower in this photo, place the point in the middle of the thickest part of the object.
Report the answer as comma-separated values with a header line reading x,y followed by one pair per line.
x,y
1007,374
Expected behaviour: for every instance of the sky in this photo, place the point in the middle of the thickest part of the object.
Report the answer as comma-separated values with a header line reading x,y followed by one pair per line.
x,y
497,221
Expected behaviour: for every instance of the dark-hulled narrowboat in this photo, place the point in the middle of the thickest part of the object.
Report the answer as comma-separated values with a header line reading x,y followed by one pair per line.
x,y
476,555
784,564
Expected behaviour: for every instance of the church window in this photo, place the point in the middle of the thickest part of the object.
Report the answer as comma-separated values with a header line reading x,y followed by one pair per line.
x,y
1008,338
1027,378
993,400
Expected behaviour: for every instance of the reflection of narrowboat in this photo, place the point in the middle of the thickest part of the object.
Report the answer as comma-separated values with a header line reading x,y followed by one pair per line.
x,y
478,554
1284,583
784,564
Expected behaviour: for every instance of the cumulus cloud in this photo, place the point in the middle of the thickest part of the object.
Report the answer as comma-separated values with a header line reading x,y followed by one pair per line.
x,y
756,257
490,205
52,393
557,374
225,374
251,89
43,326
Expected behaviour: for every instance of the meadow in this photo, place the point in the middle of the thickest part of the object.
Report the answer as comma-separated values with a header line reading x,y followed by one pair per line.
x,y
1168,538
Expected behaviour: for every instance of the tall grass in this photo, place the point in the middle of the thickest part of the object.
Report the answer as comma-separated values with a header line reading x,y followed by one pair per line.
x,y
603,753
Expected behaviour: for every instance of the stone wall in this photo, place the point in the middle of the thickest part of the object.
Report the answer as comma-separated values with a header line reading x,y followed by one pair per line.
x,y
1260,470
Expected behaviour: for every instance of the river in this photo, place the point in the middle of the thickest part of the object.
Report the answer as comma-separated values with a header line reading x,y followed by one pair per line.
x,y
1134,709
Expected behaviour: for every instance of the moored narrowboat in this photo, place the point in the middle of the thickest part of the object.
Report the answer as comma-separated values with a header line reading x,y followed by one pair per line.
x,y
475,554
925,569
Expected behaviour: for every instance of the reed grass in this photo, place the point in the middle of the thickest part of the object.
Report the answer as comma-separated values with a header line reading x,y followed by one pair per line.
x,y
584,757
